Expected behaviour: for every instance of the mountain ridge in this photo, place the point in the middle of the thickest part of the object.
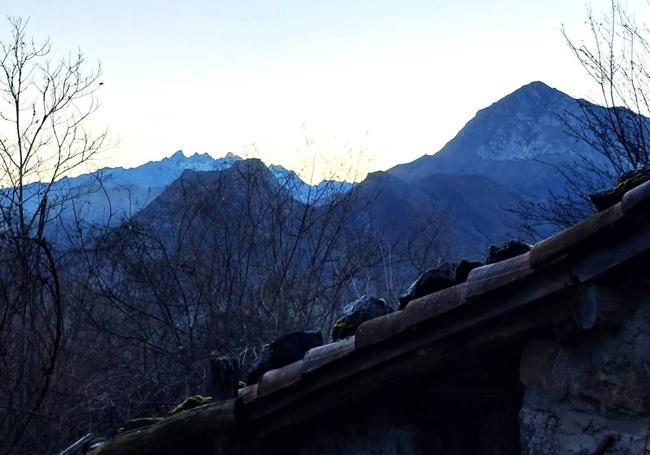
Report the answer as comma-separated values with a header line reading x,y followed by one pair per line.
x,y
515,141
488,167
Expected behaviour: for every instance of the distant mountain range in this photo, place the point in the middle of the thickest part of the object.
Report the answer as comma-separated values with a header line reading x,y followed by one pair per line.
x,y
500,157
110,195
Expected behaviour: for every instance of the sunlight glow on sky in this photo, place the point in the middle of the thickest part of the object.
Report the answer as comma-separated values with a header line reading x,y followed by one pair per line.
x,y
397,79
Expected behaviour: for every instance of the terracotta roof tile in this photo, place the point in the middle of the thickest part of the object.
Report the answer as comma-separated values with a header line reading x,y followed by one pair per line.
x,y
279,378
636,196
434,304
499,268
379,329
248,393
384,327
497,275
321,355
568,239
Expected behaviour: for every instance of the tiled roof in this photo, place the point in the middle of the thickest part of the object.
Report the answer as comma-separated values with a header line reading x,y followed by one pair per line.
x,y
496,301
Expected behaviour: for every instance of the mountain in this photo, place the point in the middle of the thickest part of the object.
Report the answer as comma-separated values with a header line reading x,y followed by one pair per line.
x,y
503,156
155,174
246,187
513,142
252,219
306,193
465,213
109,195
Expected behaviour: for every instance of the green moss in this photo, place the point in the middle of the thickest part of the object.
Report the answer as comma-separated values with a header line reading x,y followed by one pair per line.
x,y
203,429
343,328
191,402
629,180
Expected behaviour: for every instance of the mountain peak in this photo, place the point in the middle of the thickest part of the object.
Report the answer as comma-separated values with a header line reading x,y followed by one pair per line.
x,y
536,92
178,155
537,86
532,98
232,156
524,124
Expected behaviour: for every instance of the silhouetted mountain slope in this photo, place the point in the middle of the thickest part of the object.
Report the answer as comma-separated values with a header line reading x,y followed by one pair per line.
x,y
466,212
244,196
506,142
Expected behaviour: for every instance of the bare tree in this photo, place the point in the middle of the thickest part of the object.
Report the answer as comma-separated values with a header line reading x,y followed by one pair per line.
x,y
44,118
226,261
615,127
616,60
221,261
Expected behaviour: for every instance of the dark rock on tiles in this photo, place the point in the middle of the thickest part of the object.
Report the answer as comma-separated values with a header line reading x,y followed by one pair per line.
x,y
355,313
283,351
463,268
429,282
510,249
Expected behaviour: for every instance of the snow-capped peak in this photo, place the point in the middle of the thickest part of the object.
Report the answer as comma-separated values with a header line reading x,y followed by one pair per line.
x,y
115,193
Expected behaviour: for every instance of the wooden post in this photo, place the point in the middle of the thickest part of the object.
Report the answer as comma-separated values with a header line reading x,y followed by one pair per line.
x,y
599,306
223,377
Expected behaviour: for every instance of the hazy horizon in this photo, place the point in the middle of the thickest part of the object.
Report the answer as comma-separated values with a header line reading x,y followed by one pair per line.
x,y
261,79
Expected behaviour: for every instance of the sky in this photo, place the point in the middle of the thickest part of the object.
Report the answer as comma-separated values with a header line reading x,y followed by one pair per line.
x,y
315,86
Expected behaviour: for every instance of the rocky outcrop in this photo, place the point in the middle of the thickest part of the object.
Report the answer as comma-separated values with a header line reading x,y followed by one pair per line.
x,y
356,313
283,351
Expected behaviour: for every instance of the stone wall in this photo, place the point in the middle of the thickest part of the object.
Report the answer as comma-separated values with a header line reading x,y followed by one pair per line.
x,y
589,393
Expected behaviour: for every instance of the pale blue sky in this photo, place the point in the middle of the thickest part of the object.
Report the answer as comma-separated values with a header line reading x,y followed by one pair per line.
x,y
398,78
